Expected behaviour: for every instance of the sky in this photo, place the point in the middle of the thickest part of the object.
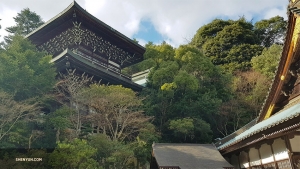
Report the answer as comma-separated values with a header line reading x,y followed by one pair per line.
x,y
172,21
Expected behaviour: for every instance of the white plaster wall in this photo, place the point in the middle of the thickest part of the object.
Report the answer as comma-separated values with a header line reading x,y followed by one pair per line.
x,y
254,157
266,154
234,161
244,160
280,150
295,144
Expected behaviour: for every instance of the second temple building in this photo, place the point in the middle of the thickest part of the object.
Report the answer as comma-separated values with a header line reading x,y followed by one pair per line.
x,y
78,40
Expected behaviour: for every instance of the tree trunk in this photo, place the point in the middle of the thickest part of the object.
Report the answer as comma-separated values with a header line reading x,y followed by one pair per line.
x,y
57,135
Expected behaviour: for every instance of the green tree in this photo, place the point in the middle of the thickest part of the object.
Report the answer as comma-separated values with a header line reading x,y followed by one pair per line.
x,y
271,31
117,110
60,120
267,62
154,54
187,85
11,112
25,72
182,127
26,22
75,154
208,31
224,41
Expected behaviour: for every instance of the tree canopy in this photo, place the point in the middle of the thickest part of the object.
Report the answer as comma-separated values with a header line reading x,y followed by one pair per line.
x,y
232,44
25,72
26,22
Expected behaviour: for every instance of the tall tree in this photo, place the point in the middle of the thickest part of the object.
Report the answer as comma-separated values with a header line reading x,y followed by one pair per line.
x,y
117,111
26,22
271,31
25,72
267,62
186,85
224,41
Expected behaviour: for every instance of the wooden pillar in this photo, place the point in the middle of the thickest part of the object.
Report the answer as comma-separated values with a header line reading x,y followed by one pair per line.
x,y
257,147
288,146
238,157
248,157
270,143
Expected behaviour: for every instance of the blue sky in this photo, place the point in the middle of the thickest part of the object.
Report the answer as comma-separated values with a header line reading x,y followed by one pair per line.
x,y
173,21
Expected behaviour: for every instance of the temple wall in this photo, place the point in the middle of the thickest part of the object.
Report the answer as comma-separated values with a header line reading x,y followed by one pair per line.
x,y
254,157
266,154
295,143
244,159
234,161
280,150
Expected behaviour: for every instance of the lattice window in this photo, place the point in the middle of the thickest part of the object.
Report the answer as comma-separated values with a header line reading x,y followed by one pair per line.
x,y
284,164
269,166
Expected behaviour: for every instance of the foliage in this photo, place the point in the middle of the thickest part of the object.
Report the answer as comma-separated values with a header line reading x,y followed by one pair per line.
x,y
185,86
249,91
116,110
267,62
25,72
154,54
26,22
60,120
183,127
271,31
11,112
74,154
208,31
232,44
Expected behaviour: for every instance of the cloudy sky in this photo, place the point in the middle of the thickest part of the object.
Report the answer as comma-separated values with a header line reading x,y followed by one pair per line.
x,y
173,21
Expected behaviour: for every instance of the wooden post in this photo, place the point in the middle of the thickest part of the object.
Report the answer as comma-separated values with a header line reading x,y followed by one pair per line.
x,y
288,146
257,147
270,143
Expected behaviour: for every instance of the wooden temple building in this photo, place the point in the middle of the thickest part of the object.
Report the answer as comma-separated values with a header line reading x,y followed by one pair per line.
x,y
272,140
78,40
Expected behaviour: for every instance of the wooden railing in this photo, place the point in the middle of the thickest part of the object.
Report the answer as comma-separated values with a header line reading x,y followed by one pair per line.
x,y
108,67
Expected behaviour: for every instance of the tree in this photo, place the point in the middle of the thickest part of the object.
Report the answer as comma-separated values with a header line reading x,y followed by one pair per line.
x,y
271,31
184,127
11,112
68,92
208,31
154,54
249,91
115,110
25,72
60,120
224,42
26,22
267,62
185,86
75,154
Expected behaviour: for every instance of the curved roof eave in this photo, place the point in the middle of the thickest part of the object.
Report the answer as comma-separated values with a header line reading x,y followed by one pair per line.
x,y
77,6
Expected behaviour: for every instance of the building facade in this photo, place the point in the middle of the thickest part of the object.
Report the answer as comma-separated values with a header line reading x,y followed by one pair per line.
x,y
78,40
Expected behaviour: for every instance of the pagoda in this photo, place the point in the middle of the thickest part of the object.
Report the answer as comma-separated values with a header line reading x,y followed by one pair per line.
x,y
78,40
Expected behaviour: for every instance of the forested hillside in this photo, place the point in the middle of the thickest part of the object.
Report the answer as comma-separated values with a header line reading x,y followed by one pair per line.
x,y
195,93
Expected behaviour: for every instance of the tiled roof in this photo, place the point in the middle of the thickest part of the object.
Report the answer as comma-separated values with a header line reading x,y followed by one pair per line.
x,y
189,156
274,120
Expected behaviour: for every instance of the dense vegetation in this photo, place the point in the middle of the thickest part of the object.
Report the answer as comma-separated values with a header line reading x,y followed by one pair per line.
x,y
195,93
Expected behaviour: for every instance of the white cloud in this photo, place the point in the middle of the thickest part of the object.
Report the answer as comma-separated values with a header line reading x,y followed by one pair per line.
x,y
176,20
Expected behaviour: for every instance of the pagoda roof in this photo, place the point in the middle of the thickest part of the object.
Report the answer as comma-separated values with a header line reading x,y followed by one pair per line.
x,y
188,156
100,72
75,13
281,117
